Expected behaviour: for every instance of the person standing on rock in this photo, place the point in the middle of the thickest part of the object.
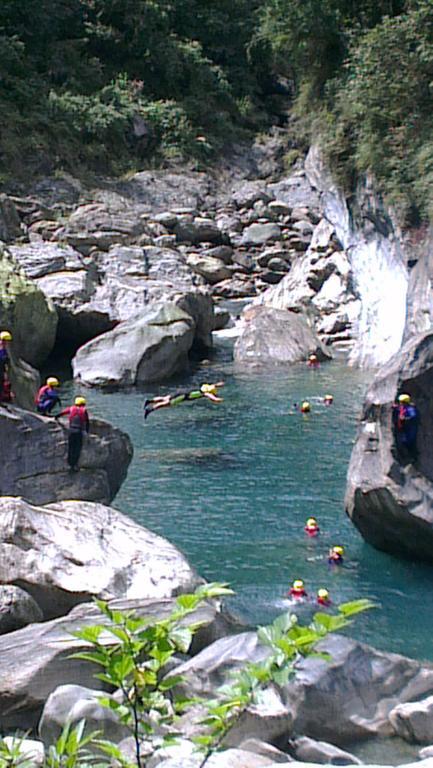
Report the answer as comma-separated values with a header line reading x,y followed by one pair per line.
x,y
405,419
78,424
48,396
5,339
210,391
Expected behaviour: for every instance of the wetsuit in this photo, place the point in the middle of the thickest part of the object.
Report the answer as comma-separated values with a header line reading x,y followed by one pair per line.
x,y
78,424
312,531
6,395
46,399
405,418
297,593
181,397
323,601
4,361
335,559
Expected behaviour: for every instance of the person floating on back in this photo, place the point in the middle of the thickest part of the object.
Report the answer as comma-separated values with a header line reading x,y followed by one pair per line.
x,y
210,391
297,590
335,555
313,361
5,339
48,396
405,418
328,400
323,597
312,527
78,424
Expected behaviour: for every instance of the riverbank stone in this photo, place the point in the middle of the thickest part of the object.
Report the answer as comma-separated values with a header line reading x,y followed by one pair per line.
x,y
72,551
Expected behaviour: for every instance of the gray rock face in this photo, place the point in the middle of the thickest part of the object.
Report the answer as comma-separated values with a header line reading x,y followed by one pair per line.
x,y
100,224
311,751
388,499
33,463
26,312
72,703
153,347
66,553
17,609
259,234
348,698
9,220
414,721
272,335
36,660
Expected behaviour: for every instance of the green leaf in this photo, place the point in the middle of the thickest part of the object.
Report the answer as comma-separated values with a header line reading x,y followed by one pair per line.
x,y
356,606
182,637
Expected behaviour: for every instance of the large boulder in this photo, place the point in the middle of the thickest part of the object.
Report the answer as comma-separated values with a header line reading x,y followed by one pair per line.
x,y
10,225
312,751
26,312
33,463
100,224
278,336
149,348
36,660
69,552
347,698
389,499
414,721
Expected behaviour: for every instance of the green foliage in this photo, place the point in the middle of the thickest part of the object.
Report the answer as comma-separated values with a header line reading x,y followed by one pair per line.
x,y
77,74
135,660
71,749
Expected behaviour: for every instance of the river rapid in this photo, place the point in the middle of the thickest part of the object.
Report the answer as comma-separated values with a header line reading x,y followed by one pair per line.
x,y
233,484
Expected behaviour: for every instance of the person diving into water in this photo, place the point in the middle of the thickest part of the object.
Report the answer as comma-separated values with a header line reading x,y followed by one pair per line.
x,y
210,391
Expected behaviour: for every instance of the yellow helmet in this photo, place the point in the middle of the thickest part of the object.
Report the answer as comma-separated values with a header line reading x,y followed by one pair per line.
x,y
298,584
210,388
53,382
80,400
322,593
338,550
329,397
404,398
5,336
305,406
312,357
311,521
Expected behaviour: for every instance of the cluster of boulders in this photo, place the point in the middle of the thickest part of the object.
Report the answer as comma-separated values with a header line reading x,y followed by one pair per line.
x,y
57,557
136,273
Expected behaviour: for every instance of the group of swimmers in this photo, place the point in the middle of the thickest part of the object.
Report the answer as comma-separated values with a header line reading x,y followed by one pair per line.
x,y
46,400
335,558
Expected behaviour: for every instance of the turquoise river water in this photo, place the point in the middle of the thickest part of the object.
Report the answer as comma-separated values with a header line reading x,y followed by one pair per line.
x,y
232,485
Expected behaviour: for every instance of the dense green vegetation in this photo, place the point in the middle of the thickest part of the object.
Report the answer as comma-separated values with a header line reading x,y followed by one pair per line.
x,y
112,84
362,74
104,83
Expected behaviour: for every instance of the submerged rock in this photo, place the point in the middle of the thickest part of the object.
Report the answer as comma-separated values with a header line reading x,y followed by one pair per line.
x,y
277,336
389,497
33,459
66,553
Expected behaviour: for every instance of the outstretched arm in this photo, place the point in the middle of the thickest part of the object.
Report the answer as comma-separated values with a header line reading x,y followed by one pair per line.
x,y
212,397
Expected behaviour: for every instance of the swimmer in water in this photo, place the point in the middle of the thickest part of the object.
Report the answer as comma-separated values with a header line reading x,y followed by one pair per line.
x,y
297,590
312,527
313,361
210,391
328,400
305,407
335,556
323,597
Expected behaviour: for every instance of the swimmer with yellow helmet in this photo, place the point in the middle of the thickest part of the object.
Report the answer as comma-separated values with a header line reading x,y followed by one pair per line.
x,y
335,555
312,527
5,339
297,590
323,597
209,391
